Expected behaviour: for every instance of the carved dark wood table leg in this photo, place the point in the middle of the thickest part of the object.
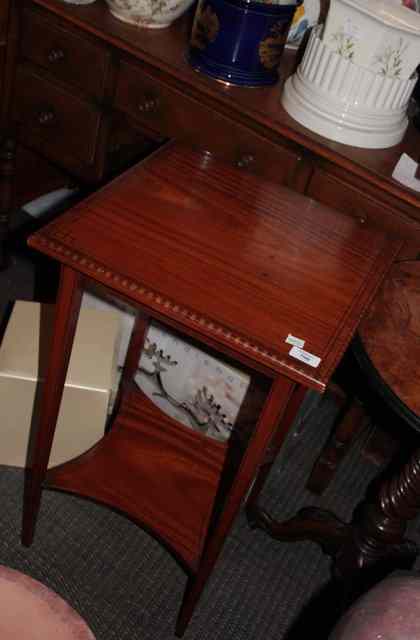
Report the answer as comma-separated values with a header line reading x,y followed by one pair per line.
x,y
378,538
375,543
67,310
7,169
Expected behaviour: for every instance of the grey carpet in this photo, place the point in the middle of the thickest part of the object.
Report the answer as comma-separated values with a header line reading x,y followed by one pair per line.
x,y
127,586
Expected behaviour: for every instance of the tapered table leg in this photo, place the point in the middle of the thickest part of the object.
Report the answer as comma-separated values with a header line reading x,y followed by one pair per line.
x,y
293,407
351,422
65,322
280,408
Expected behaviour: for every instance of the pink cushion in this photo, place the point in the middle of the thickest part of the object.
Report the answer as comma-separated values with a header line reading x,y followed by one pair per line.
x,y
390,610
31,611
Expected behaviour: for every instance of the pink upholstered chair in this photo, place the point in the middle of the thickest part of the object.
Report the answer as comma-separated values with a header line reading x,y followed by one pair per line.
x,y
388,611
31,611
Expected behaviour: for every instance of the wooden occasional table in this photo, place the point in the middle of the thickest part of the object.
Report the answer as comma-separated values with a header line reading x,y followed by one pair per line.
x,y
387,351
237,263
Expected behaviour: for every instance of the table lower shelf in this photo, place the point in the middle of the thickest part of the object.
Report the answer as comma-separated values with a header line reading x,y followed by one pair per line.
x,y
158,472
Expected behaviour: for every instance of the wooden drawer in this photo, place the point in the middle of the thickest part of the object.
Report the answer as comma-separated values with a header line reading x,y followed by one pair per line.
x,y
169,113
331,190
54,121
65,55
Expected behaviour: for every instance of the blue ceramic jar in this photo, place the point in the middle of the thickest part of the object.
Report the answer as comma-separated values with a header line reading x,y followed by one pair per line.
x,y
240,42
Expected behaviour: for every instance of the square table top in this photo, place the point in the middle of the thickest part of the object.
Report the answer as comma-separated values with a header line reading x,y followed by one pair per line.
x,y
237,259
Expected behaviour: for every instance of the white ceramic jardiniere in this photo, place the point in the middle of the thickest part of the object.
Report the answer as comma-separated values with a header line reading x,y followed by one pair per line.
x,y
380,35
346,102
153,14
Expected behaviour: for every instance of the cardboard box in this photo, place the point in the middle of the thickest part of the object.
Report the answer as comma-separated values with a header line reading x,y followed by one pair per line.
x,y
89,388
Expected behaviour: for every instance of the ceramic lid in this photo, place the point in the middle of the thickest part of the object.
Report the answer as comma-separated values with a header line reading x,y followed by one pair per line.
x,y
389,12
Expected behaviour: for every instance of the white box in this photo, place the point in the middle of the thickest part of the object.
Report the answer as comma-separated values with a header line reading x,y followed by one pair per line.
x,y
88,390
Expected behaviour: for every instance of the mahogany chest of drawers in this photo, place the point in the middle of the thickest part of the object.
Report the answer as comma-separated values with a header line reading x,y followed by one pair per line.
x,y
87,88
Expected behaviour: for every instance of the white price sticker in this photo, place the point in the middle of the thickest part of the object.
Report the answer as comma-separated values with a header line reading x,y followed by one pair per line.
x,y
305,356
296,342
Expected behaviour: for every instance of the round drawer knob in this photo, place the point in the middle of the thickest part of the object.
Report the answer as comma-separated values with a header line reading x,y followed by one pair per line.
x,y
150,105
362,219
46,116
245,160
55,55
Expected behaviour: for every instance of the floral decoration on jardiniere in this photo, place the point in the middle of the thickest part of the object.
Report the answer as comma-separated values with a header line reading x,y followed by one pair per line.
x,y
206,26
389,61
271,48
